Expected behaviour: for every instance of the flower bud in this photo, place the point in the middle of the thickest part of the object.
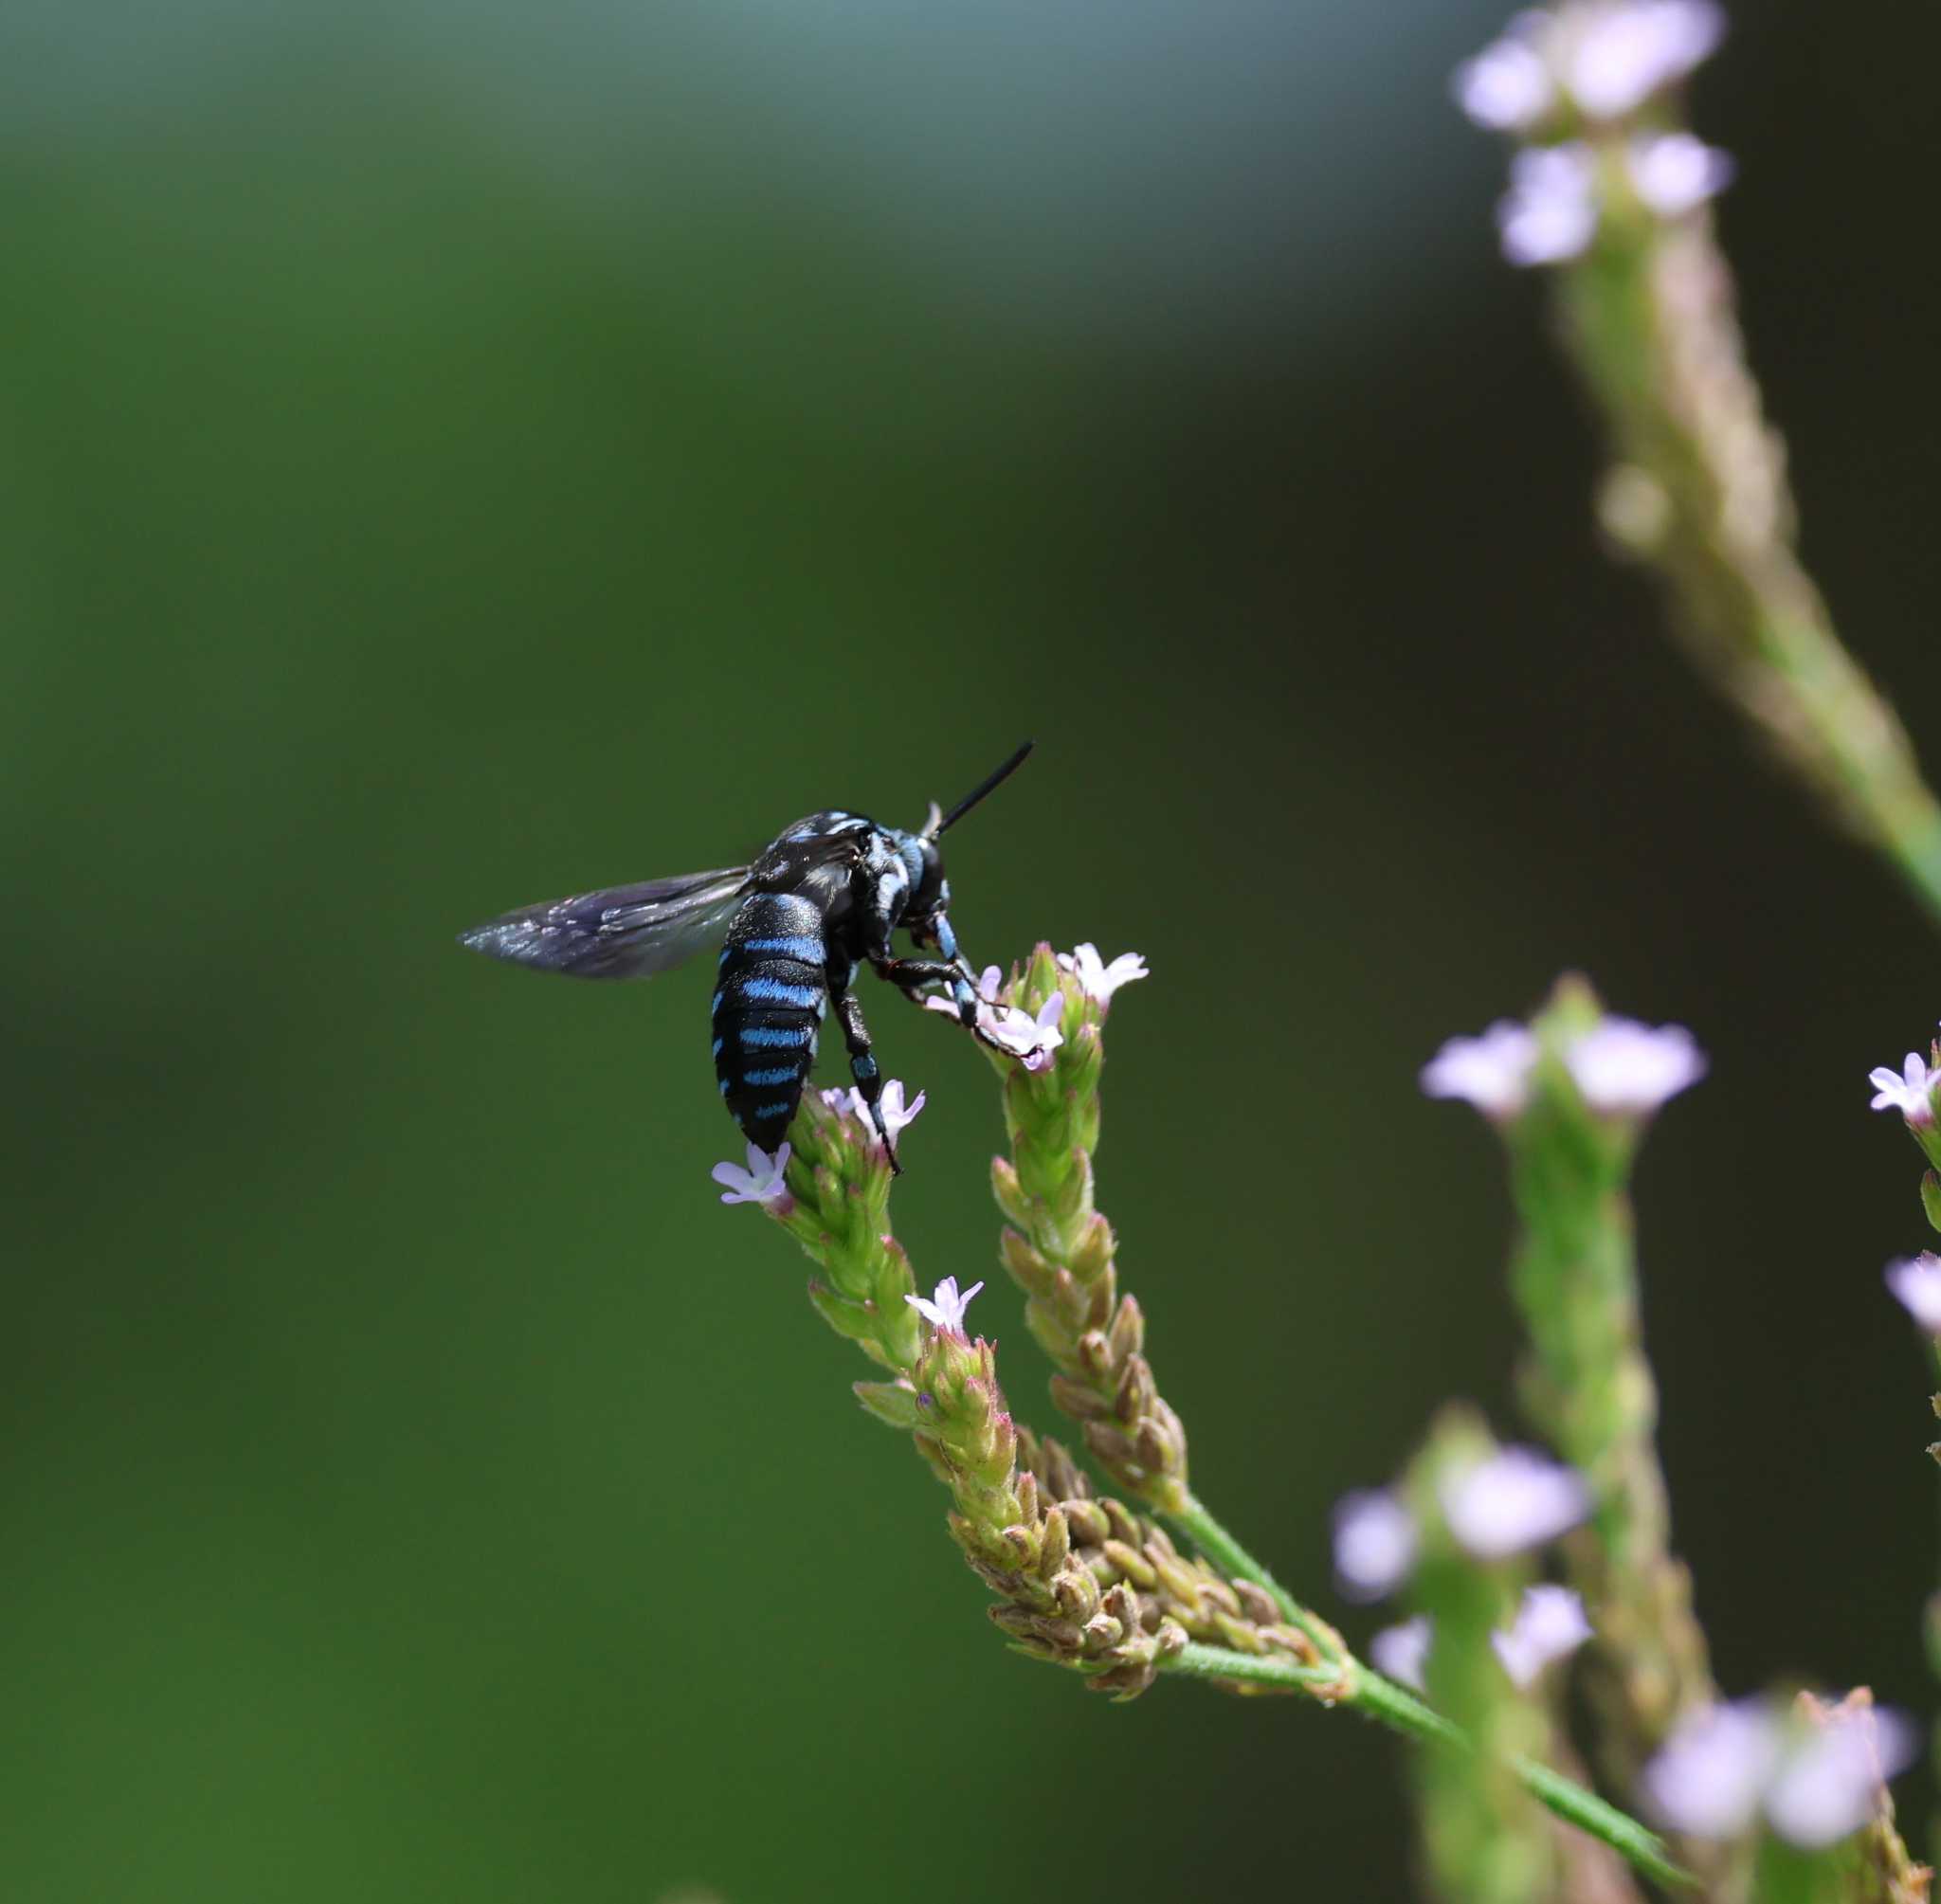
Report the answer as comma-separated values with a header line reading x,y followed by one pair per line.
x,y
891,1402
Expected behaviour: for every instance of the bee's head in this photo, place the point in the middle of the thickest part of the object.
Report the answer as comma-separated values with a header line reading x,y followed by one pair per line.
x,y
930,892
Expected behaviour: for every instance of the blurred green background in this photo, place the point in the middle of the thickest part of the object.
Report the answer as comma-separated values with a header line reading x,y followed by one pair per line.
x,y
454,455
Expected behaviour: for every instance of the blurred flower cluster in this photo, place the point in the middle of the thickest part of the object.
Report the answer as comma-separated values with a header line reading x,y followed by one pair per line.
x,y
1581,86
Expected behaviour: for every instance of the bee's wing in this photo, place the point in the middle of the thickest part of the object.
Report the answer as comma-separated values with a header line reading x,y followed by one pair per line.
x,y
626,932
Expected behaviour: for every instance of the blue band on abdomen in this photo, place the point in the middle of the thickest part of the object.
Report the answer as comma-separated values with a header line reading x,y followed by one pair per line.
x,y
802,949
776,1034
758,991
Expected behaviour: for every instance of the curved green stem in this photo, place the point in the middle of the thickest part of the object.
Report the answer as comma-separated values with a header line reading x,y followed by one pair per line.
x,y
1383,1700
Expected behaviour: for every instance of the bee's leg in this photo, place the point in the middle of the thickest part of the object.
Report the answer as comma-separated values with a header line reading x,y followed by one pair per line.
x,y
952,969
869,1083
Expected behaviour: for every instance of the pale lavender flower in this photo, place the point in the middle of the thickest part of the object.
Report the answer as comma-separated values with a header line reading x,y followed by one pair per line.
x,y
1916,1284
1721,1765
1513,1500
1374,1542
1549,1625
944,1308
897,1114
1550,211
1490,1072
1676,172
1014,1029
1623,1066
1402,1652
1628,51
1825,1784
1098,980
761,1183
850,1103
1714,1768
1507,86
1909,1094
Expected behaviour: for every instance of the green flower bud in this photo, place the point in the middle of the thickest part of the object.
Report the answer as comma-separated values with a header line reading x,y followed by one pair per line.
x,y
891,1402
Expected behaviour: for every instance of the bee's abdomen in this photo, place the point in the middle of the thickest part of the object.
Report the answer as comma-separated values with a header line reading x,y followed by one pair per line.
x,y
774,992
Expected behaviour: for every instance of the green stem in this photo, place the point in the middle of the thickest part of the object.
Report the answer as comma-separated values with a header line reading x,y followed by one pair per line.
x,y
1198,1524
1382,1699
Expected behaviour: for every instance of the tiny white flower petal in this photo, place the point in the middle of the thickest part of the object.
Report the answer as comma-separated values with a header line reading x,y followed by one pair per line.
x,y
1916,1282
897,1114
1630,50
1513,1500
940,1002
989,982
1550,212
1709,1777
1549,1625
763,1181
837,1097
1507,87
1825,1784
1675,173
1490,1072
1402,1652
1374,1542
1625,1067
1910,1093
1096,979
945,1307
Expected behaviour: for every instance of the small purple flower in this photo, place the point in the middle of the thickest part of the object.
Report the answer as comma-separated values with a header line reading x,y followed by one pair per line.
x,y
897,1114
1676,172
852,1103
1096,978
1722,1763
1917,1285
1550,211
1909,1094
1630,50
1513,1500
944,1308
1374,1542
1507,87
1402,1652
1715,1767
1490,1072
1825,1784
1014,1029
761,1183
1625,1067
1549,1625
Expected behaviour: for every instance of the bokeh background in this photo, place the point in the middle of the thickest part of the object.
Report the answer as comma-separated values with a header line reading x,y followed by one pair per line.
x,y
453,455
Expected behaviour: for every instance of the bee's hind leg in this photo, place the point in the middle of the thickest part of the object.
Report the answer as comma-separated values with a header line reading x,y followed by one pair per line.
x,y
862,1067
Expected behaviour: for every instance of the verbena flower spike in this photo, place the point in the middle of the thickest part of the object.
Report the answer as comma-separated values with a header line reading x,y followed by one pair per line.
x,y
1077,1580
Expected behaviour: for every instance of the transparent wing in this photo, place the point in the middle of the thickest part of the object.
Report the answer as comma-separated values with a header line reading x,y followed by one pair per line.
x,y
625,931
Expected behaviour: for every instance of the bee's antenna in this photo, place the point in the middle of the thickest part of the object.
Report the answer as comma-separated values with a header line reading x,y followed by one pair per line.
x,y
940,823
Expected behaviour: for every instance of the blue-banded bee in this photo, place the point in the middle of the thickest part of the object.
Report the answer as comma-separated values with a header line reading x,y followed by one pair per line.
x,y
823,897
